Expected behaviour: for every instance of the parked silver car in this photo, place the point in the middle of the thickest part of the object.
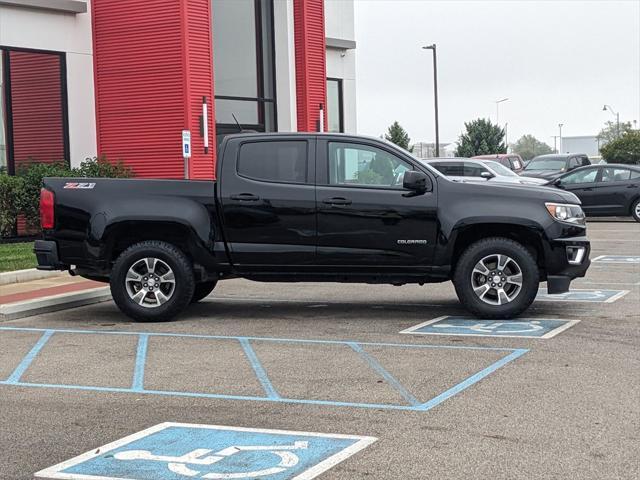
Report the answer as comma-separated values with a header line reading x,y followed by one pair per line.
x,y
466,169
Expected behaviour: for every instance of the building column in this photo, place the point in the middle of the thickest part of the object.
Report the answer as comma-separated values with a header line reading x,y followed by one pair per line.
x,y
310,55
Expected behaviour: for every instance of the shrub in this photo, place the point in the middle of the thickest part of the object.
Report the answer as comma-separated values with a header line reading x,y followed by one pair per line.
x,y
21,194
625,149
32,175
11,193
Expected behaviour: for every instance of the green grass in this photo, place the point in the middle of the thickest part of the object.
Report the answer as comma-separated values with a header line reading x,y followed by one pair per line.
x,y
16,256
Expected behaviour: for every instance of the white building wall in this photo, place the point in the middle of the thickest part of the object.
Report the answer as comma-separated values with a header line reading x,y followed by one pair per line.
x,y
285,65
341,61
61,32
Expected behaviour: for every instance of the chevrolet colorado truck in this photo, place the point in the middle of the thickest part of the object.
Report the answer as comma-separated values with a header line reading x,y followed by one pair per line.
x,y
312,208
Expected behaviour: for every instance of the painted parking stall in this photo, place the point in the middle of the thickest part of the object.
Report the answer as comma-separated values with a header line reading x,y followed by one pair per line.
x,y
175,451
385,386
623,259
582,295
467,326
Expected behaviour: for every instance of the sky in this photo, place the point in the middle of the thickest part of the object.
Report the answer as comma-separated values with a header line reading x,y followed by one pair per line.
x,y
556,62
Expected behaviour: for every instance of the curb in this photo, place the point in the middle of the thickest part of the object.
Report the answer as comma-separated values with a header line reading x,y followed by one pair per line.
x,y
27,275
27,308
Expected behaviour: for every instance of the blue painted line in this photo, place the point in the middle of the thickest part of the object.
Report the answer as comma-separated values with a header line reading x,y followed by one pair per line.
x,y
141,360
472,379
390,379
258,368
265,339
29,357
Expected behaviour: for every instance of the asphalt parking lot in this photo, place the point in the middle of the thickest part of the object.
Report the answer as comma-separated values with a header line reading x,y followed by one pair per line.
x,y
452,399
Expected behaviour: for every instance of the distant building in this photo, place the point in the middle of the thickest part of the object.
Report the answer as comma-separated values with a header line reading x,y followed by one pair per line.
x,y
428,150
589,144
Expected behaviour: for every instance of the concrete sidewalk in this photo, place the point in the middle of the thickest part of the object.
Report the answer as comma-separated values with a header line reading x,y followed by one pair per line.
x,y
58,292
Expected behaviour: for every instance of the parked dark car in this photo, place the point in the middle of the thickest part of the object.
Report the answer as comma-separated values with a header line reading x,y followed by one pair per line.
x,y
605,189
512,161
312,208
553,165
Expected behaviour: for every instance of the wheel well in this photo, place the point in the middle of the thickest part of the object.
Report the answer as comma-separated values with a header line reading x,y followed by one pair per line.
x,y
125,234
523,235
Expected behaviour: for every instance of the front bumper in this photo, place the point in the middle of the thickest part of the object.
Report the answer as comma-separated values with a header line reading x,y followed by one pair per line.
x,y
47,255
566,259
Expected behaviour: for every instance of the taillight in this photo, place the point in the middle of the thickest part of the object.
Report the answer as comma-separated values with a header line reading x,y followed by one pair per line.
x,y
47,218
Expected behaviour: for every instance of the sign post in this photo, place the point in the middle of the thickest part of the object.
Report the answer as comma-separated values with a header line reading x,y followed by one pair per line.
x,y
186,151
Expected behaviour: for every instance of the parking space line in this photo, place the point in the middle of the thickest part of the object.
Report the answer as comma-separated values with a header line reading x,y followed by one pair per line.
x,y
141,359
258,369
29,357
472,379
271,394
390,379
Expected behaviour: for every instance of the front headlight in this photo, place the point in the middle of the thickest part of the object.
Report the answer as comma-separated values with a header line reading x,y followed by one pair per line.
x,y
566,212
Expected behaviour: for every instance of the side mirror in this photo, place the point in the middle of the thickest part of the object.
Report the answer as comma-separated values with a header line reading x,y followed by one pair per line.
x,y
487,175
557,182
416,181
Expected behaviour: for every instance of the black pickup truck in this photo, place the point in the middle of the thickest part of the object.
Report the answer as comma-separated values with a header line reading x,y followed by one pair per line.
x,y
312,208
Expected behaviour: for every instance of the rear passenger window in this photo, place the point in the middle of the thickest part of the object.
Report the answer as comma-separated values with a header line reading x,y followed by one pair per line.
x,y
611,174
515,163
283,161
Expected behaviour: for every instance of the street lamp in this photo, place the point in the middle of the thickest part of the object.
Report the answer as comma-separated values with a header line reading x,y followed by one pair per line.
x,y
560,138
498,102
608,107
435,93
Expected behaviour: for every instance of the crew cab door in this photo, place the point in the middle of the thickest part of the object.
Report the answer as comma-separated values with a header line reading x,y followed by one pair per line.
x,y
267,195
365,217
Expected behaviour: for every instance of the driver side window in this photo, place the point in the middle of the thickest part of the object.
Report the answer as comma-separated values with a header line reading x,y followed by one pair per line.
x,y
583,176
362,165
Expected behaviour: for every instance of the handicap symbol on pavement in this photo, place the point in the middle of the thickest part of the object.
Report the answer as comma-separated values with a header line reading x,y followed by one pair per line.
x,y
466,326
200,456
582,295
177,451
628,259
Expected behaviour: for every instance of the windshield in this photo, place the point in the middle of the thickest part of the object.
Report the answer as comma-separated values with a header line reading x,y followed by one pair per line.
x,y
547,163
500,169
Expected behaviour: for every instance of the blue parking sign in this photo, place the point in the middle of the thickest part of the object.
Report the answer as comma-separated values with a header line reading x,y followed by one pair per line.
x,y
466,326
175,451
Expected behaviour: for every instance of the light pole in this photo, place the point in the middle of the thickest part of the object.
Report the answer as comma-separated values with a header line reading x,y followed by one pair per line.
x,y
555,143
560,138
435,93
498,102
608,107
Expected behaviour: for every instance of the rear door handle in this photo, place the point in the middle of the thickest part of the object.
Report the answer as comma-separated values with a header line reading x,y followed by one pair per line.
x,y
337,201
587,189
245,197
632,186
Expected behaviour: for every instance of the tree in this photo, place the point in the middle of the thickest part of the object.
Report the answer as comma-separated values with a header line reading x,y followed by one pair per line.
x,y
529,146
610,131
481,138
398,135
625,149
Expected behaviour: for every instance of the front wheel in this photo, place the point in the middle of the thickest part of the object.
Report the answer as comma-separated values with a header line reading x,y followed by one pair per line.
x,y
152,281
496,278
635,210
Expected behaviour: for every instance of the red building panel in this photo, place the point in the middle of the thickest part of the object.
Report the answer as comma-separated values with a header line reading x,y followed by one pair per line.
x,y
37,110
153,65
310,55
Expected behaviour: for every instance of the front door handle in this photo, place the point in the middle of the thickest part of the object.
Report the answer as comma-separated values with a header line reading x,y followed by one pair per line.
x,y
587,189
245,197
632,186
337,201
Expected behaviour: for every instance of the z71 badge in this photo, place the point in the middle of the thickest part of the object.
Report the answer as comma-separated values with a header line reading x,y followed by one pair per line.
x,y
79,185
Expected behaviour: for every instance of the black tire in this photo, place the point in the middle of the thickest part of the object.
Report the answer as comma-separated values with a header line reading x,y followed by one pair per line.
x,y
183,285
635,210
462,278
202,290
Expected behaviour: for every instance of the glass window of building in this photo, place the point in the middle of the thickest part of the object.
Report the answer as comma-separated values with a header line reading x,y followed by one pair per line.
x,y
243,56
33,112
334,105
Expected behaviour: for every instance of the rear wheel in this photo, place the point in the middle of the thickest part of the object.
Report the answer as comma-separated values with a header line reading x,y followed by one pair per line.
x,y
496,278
152,281
635,210
202,290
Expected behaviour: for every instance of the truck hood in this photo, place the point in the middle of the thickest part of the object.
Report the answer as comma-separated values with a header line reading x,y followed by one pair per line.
x,y
508,190
546,174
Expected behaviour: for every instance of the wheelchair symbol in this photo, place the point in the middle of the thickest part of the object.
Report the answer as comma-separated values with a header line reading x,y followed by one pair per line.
x,y
201,456
494,327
